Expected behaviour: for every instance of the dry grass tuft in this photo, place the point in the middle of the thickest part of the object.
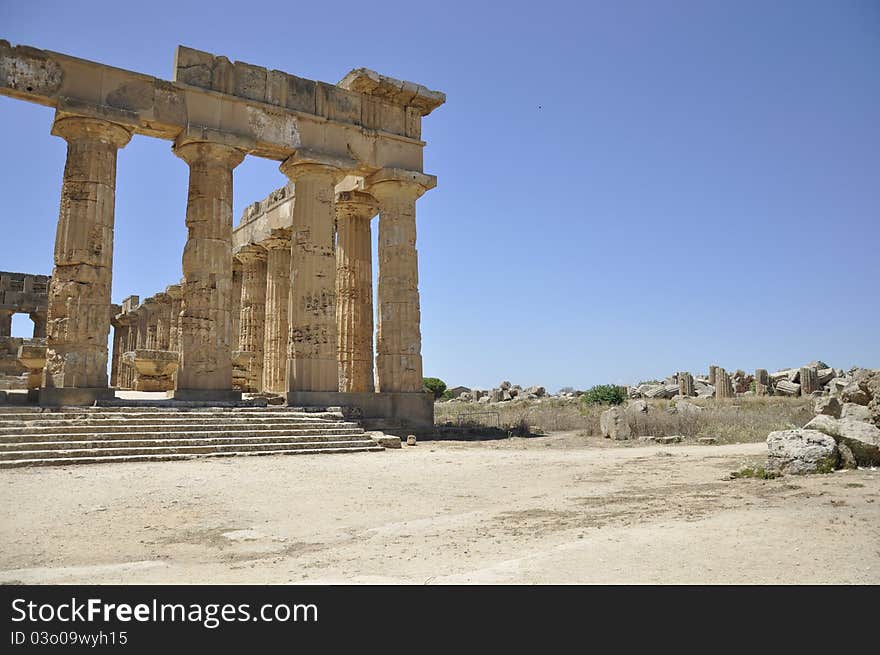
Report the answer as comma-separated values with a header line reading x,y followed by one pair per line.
x,y
729,421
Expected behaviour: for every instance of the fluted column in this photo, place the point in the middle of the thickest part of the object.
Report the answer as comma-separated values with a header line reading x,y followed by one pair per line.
x,y
354,290
205,320
311,354
253,311
235,306
175,296
116,356
78,320
398,335
163,321
151,319
277,297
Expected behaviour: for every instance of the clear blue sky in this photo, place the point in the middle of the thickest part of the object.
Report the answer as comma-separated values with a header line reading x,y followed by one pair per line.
x,y
625,189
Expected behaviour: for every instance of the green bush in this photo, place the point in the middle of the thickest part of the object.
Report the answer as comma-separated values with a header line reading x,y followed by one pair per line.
x,y
604,394
435,385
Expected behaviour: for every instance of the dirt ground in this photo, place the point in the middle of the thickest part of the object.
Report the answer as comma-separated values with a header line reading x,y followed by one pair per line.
x,y
557,509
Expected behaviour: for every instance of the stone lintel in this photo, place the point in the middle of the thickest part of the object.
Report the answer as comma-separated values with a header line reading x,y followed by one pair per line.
x,y
174,291
275,112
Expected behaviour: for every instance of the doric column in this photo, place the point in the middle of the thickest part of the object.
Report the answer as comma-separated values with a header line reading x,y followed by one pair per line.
x,y
398,335
116,355
253,311
277,297
39,319
311,354
5,323
151,319
163,320
133,318
78,320
175,294
205,320
141,316
235,306
354,290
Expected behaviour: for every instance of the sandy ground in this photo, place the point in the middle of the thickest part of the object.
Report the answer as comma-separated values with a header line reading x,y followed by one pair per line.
x,y
556,509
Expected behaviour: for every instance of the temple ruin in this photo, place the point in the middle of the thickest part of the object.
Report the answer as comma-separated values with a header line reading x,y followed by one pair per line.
x,y
284,303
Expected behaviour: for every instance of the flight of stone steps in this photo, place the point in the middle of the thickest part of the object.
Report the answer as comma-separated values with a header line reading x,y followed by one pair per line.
x,y
76,435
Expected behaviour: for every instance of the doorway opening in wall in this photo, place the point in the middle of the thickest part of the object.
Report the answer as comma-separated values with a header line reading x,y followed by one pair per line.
x,y
22,326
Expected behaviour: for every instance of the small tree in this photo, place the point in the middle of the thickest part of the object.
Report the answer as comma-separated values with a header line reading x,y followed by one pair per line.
x,y
604,394
435,385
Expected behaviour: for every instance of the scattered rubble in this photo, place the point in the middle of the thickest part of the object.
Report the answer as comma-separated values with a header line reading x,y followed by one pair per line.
x,y
845,433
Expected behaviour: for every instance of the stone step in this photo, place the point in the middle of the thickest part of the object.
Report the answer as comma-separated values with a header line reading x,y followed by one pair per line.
x,y
223,433
93,435
87,428
63,461
101,441
197,446
51,415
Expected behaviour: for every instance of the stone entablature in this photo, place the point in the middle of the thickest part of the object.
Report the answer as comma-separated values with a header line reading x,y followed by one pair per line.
x,y
23,292
260,112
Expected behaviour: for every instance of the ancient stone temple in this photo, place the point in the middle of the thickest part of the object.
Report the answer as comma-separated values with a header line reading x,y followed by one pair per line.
x,y
21,358
285,302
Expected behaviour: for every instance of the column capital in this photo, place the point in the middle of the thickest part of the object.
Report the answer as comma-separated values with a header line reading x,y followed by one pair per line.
x,y
386,181
279,239
251,254
305,162
356,204
72,128
208,152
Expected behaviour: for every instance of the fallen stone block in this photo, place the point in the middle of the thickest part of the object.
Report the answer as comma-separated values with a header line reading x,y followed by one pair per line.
x,y
801,451
613,424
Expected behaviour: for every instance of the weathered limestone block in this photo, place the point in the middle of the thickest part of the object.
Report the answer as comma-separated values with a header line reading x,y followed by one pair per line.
x,y
78,317
786,388
205,320
712,370
686,384
801,451
277,299
828,405
354,290
312,341
253,313
862,438
398,335
6,322
613,424
154,369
